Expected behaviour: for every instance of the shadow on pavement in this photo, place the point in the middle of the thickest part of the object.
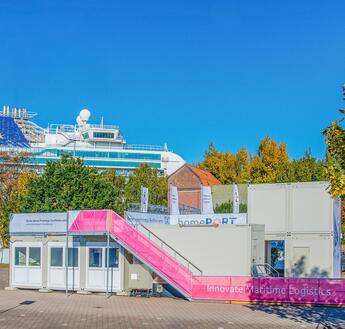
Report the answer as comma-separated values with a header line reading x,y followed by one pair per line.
x,y
323,317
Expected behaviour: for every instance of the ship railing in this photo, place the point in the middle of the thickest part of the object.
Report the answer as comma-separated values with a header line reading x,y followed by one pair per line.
x,y
144,147
88,126
93,146
54,128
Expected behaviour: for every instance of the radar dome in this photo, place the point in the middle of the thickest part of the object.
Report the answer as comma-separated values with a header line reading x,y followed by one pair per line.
x,y
79,122
84,115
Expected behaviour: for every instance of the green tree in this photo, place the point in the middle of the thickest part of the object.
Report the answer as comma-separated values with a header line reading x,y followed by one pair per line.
x,y
227,208
335,156
68,184
305,169
150,178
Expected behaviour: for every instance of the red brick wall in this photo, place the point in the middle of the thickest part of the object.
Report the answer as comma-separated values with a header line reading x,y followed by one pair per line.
x,y
190,198
188,186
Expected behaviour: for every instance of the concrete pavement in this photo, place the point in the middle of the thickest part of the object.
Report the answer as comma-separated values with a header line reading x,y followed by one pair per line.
x,y
28,309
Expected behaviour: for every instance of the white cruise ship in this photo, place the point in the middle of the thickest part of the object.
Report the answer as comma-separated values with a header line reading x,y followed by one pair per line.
x,y
99,145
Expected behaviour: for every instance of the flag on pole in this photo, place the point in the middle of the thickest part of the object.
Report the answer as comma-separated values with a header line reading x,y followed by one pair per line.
x,y
235,199
144,199
174,208
206,196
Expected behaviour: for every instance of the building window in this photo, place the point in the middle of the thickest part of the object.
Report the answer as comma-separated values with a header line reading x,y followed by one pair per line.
x,y
20,256
113,257
95,257
98,134
34,256
56,257
73,257
85,135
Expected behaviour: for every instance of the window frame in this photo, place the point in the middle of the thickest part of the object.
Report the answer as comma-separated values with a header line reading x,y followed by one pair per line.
x,y
26,245
78,257
40,255
26,256
103,135
62,257
103,247
117,253
102,258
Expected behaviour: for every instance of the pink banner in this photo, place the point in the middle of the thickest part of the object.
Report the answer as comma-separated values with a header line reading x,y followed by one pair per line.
x,y
292,290
90,221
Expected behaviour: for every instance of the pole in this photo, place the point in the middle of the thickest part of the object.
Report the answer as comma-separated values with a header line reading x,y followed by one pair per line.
x,y
107,264
108,242
66,256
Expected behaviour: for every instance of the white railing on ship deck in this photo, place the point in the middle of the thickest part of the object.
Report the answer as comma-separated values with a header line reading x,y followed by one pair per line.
x,y
154,148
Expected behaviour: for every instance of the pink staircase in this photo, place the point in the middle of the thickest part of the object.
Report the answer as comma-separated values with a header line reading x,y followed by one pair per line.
x,y
146,250
159,260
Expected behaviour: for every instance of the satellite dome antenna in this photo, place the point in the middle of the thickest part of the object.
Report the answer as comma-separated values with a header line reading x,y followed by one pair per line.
x,y
84,116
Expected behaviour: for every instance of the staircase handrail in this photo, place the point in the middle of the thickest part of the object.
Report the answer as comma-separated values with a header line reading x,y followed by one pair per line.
x,y
265,270
136,224
172,248
272,269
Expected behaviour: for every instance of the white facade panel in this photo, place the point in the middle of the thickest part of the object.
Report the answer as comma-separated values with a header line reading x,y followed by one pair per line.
x,y
225,250
267,204
310,255
310,208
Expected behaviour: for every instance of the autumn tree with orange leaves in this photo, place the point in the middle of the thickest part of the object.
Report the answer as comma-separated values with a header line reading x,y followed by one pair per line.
x,y
271,164
14,178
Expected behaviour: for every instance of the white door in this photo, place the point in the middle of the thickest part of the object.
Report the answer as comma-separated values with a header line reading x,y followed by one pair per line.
x,y
96,273
57,266
27,264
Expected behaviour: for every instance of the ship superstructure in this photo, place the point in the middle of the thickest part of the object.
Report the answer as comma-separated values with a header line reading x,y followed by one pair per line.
x,y
99,145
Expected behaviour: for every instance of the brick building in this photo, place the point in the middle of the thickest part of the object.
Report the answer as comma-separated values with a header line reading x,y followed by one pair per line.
x,y
189,180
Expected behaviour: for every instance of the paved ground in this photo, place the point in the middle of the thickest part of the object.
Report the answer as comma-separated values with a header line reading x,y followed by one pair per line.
x,y
30,309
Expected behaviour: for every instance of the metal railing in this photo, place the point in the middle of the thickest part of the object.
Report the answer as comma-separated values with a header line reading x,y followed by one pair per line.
x,y
109,147
99,126
144,147
187,210
153,209
165,246
264,270
163,210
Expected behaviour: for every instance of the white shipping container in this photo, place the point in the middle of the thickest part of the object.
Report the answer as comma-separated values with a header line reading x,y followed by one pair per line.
x,y
293,207
306,217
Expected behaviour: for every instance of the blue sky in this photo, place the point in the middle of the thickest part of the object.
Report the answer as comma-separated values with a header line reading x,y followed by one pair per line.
x,y
183,72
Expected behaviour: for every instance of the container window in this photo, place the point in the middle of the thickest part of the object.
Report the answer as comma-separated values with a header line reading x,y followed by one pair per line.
x,y
20,256
95,257
34,256
73,260
56,256
113,257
